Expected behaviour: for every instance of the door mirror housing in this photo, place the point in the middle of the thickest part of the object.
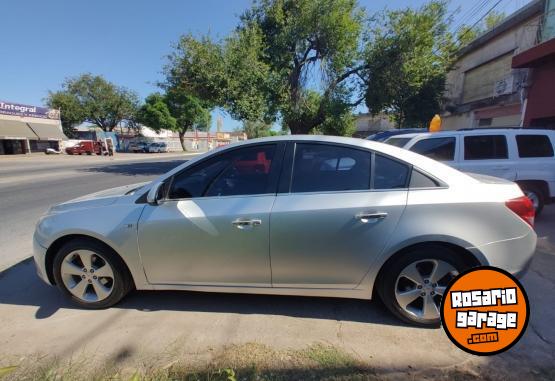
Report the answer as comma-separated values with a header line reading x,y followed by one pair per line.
x,y
156,194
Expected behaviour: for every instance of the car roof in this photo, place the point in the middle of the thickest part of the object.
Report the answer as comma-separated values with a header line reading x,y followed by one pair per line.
x,y
435,168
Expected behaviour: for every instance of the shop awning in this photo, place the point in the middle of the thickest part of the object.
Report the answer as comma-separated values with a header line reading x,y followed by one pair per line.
x,y
13,129
47,131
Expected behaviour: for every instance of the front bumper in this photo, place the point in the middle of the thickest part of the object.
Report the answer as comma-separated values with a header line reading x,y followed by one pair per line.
x,y
39,255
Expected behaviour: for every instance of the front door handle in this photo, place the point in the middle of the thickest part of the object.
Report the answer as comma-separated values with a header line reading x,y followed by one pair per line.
x,y
371,217
242,223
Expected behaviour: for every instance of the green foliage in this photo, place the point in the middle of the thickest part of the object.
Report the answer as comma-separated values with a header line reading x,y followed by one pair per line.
x,y
256,129
262,70
467,34
156,114
407,57
92,99
72,114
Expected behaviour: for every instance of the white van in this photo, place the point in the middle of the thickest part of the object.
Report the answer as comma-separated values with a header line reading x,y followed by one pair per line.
x,y
524,156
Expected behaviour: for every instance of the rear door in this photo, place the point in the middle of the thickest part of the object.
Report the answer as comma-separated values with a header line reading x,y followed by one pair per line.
x,y
337,208
488,154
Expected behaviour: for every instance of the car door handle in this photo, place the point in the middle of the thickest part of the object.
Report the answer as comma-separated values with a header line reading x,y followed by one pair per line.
x,y
241,223
371,217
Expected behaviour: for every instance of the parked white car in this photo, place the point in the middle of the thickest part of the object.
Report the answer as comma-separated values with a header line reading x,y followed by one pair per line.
x,y
157,147
525,156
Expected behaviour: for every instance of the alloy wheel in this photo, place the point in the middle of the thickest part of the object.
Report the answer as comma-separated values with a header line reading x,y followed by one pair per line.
x,y
420,286
87,275
533,196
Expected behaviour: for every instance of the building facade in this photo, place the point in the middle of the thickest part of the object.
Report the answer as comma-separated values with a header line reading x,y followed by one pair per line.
x,y
25,129
485,89
368,124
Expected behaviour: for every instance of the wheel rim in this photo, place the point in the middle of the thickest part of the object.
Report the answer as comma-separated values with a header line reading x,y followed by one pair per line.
x,y
533,197
87,275
420,287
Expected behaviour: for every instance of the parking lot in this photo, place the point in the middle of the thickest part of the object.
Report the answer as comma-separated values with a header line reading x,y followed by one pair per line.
x,y
37,322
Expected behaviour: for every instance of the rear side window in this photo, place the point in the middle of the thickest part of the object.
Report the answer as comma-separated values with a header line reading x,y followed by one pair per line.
x,y
483,147
534,146
442,149
326,168
389,173
420,180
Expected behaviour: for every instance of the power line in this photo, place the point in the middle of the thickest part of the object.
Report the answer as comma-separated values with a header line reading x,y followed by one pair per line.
x,y
479,20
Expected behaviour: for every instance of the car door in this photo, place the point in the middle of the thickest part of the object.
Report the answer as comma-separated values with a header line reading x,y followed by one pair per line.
x,y
213,226
487,154
337,207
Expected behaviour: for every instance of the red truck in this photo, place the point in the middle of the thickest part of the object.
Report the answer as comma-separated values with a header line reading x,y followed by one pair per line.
x,y
84,146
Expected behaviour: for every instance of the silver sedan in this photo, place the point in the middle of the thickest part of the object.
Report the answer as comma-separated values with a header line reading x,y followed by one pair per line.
x,y
290,215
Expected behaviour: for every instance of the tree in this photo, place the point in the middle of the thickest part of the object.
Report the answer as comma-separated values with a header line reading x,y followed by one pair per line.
x,y
156,114
281,53
407,57
256,129
99,101
71,113
188,111
467,34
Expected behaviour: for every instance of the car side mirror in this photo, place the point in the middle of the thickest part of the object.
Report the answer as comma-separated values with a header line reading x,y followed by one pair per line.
x,y
155,194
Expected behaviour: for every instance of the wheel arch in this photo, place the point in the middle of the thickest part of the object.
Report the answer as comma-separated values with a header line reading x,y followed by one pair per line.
x,y
471,258
61,241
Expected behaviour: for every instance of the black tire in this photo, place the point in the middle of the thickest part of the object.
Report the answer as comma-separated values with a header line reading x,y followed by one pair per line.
x,y
389,274
535,191
122,282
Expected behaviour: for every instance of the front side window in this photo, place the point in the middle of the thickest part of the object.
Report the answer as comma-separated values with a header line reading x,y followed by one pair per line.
x,y
245,171
442,149
483,147
534,146
326,168
397,142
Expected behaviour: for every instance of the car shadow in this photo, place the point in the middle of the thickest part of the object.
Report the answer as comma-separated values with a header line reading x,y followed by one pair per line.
x,y
20,285
141,168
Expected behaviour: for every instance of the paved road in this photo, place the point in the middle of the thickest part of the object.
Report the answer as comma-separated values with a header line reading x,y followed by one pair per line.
x,y
36,320
29,186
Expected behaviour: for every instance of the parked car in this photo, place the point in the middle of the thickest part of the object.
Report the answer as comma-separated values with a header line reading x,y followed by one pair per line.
x,y
157,147
383,135
336,217
138,147
84,146
52,151
525,156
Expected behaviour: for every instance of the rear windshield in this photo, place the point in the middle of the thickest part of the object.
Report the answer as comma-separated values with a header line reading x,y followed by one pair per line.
x,y
397,142
534,146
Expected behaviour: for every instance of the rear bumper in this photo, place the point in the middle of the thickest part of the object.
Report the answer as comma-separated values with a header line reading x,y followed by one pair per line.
x,y
39,255
513,255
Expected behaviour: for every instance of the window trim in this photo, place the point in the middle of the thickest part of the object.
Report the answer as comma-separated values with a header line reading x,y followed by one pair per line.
x,y
274,174
286,180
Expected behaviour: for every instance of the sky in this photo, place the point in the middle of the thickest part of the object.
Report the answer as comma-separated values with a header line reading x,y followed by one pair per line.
x,y
126,41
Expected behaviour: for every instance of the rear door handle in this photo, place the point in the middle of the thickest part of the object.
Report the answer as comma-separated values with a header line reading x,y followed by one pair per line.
x,y
240,223
370,217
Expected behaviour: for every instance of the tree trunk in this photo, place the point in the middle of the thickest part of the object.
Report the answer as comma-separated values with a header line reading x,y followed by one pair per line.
x,y
182,139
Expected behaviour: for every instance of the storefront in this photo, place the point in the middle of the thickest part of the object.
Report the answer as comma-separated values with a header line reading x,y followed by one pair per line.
x,y
25,129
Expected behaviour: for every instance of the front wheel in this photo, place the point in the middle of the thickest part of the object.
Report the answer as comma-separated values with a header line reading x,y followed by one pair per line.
x,y
91,274
413,285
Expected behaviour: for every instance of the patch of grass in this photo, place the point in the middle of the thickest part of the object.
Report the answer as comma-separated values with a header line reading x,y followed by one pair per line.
x,y
329,357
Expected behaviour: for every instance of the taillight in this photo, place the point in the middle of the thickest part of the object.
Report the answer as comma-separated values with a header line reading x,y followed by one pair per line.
x,y
523,207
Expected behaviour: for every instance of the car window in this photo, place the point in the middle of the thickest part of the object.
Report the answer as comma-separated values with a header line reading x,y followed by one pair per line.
x,y
389,173
244,171
397,142
442,149
324,168
483,147
420,180
534,146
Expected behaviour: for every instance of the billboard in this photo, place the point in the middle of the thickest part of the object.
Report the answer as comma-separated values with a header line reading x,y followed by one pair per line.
x,y
16,109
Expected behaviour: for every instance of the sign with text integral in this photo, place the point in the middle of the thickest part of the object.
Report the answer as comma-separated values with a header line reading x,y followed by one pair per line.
x,y
16,109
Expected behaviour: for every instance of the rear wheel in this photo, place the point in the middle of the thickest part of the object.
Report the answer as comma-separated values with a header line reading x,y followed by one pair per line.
x,y
535,195
413,284
91,274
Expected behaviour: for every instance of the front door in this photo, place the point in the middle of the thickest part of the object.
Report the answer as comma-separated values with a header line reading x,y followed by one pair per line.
x,y
342,206
213,227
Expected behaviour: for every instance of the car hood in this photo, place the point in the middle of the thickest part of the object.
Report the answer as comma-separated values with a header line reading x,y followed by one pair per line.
x,y
97,199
